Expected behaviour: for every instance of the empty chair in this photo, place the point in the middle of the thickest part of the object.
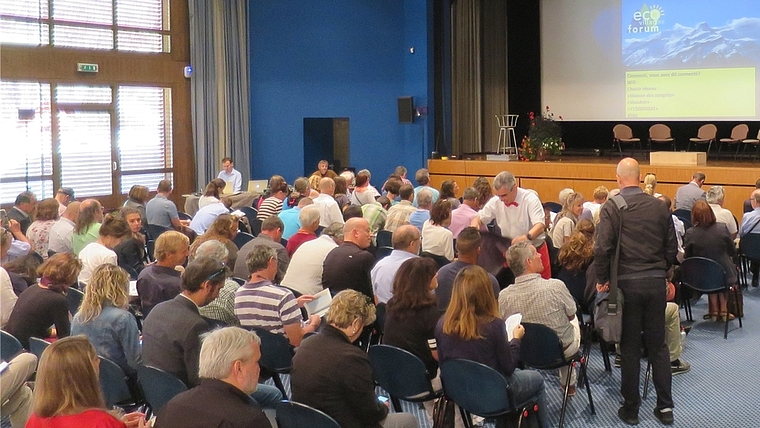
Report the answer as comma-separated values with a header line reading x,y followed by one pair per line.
x,y
705,135
276,356
738,134
384,238
623,135
154,231
401,374
660,134
37,346
480,390
9,346
541,349
749,250
113,382
241,239
752,142
296,415
706,276
74,299
158,386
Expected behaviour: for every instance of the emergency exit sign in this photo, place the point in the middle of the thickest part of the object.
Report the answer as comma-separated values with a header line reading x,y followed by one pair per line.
x,y
87,68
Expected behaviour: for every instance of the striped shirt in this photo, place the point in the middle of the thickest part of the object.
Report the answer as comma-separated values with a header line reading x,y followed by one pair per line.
x,y
271,206
265,305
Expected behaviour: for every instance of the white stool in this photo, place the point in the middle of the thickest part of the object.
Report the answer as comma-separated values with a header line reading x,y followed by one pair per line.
x,y
507,138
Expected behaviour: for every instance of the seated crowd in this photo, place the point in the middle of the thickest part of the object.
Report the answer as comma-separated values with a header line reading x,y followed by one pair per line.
x,y
437,286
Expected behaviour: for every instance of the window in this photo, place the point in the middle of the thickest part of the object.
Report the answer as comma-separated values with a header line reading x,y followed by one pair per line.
x,y
99,140
126,25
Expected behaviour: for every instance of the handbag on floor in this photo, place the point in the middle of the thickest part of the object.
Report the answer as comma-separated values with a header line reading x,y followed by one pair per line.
x,y
735,303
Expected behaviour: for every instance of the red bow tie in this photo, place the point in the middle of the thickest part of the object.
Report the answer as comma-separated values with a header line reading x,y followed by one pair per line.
x,y
512,204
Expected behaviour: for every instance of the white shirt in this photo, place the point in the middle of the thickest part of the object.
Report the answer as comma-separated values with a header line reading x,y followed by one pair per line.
x,y
593,207
304,272
206,200
59,236
725,216
437,240
205,217
92,256
515,220
233,177
384,273
7,297
329,211
563,228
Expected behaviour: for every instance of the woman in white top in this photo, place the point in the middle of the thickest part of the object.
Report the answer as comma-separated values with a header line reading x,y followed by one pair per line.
x,y
566,219
436,238
212,192
112,232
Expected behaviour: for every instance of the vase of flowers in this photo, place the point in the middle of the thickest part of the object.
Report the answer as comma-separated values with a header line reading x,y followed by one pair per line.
x,y
544,137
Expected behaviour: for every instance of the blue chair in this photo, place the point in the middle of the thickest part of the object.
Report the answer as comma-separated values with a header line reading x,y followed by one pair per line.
x,y
749,250
296,415
240,281
242,238
9,346
154,231
250,214
37,346
184,215
383,252
541,348
706,276
480,390
384,238
276,356
158,386
684,216
74,299
113,382
402,375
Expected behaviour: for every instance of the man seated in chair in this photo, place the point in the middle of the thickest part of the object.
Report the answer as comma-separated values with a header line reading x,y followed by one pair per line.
x,y
161,281
260,303
161,211
229,372
541,301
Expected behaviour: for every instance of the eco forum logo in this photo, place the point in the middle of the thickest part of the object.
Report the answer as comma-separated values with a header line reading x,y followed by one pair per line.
x,y
646,20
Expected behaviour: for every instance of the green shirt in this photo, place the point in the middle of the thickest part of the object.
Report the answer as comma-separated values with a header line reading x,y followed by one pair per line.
x,y
80,240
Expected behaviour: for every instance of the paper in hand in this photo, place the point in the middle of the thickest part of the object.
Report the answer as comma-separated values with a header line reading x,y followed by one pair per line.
x,y
320,304
512,322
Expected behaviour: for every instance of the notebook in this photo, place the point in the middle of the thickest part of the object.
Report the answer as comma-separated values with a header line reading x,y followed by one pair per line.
x,y
257,186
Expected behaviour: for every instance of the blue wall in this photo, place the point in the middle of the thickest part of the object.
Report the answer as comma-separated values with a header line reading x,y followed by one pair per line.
x,y
333,58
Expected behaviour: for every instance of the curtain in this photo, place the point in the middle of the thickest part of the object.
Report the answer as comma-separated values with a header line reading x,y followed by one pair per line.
x,y
219,86
479,73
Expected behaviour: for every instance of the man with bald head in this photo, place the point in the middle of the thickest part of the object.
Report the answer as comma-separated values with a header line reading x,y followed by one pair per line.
x,y
61,232
406,245
349,265
648,248
329,211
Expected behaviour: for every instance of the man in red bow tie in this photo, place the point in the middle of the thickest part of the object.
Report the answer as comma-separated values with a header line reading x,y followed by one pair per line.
x,y
518,214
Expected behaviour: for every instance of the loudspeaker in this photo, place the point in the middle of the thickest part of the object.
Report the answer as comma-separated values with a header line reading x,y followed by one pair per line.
x,y
406,110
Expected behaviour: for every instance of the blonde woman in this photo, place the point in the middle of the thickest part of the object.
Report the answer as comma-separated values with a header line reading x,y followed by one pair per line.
x,y
67,391
566,219
104,319
650,184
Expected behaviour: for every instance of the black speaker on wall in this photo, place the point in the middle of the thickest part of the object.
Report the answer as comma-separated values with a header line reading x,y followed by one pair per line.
x,y
406,109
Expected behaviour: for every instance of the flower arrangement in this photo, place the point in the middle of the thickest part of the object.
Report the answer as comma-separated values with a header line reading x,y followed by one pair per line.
x,y
544,137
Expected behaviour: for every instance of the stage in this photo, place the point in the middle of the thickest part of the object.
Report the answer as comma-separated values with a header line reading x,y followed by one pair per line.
x,y
584,173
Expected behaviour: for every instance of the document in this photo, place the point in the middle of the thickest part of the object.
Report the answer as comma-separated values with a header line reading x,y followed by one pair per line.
x,y
513,321
320,304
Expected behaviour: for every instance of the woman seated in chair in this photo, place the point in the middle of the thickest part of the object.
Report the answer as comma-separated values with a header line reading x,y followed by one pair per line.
x,y
94,254
130,252
138,195
39,231
707,238
575,258
104,319
224,229
567,218
211,193
412,314
67,392
472,329
436,238
334,376
44,304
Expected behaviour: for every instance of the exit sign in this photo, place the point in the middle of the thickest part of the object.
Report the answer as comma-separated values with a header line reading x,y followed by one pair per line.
x,y
87,68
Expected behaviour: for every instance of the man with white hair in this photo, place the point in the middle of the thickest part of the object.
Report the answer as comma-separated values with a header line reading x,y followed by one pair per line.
x,y
715,197
222,308
229,372
406,245
422,213
422,177
329,211
309,219
304,273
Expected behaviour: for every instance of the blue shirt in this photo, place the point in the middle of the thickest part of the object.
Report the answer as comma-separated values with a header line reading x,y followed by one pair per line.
x,y
205,217
160,211
384,273
417,189
749,220
233,177
291,221
418,218
114,335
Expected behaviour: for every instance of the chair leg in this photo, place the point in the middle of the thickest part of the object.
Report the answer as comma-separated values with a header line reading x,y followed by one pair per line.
x,y
736,298
725,330
646,380
584,371
466,417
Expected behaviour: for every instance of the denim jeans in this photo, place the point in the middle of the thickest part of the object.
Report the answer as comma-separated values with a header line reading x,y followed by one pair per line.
x,y
526,384
267,396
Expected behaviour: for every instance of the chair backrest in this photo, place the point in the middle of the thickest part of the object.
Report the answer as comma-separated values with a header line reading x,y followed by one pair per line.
x,y
441,261
158,386
113,382
184,215
475,387
296,415
749,246
9,346
622,132
74,299
242,238
240,281
703,274
684,216
384,238
541,347
383,252
659,131
399,372
37,346
256,227
154,231
554,207
276,352
740,132
707,132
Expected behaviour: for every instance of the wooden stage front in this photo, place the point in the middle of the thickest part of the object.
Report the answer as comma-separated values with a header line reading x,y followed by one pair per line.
x,y
584,173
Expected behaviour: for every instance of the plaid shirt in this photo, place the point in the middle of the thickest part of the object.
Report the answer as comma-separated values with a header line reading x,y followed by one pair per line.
x,y
398,215
223,307
376,215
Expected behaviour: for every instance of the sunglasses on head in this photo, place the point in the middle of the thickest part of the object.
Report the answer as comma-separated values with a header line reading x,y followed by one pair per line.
x,y
216,274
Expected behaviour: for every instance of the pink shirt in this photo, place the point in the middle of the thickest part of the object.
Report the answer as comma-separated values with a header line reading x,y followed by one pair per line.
x,y
461,218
